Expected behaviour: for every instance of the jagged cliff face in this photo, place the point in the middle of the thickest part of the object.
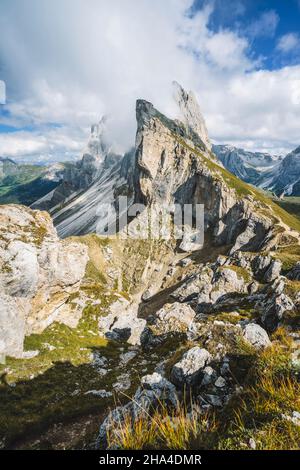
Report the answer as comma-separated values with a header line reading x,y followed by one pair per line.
x,y
174,166
170,164
190,113
96,159
162,165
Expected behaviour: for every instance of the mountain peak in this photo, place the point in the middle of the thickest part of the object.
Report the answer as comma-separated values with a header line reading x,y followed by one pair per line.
x,y
190,112
96,145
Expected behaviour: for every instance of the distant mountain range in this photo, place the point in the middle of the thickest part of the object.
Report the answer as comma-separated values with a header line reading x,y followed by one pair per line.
x,y
278,174
24,183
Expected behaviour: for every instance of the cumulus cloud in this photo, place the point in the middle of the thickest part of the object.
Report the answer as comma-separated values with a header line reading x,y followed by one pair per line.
x,y
70,61
42,146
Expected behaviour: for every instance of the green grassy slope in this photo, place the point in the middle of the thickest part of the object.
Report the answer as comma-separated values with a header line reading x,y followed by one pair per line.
x,y
25,186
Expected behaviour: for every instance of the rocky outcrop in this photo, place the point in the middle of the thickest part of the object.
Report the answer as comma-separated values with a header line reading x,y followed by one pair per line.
x,y
77,177
273,271
174,166
174,318
265,268
171,319
294,273
38,274
122,323
207,287
189,370
273,303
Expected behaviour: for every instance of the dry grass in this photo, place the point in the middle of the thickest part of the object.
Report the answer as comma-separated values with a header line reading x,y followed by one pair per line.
x,y
172,429
270,394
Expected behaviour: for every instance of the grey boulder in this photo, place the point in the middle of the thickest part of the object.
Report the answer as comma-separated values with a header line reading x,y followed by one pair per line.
x,y
256,335
190,370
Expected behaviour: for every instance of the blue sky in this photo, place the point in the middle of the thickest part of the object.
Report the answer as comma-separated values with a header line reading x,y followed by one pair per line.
x,y
67,62
250,18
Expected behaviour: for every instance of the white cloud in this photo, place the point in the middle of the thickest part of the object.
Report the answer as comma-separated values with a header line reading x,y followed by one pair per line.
x,y
289,42
70,61
265,25
43,146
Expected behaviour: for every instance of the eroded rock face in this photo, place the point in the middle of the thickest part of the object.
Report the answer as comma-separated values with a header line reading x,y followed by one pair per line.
x,y
78,176
38,273
12,325
174,166
212,283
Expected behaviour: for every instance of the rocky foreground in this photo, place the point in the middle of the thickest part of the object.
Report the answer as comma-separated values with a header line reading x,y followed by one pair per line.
x,y
188,346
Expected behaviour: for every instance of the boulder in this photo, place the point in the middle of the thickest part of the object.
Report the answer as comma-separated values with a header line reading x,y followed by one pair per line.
x,y
256,335
226,281
175,317
272,304
190,369
273,271
190,241
198,284
122,323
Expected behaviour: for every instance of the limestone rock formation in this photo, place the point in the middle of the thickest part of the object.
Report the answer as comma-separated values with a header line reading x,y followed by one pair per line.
x,y
77,177
190,369
174,318
256,336
190,113
211,284
122,323
38,273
